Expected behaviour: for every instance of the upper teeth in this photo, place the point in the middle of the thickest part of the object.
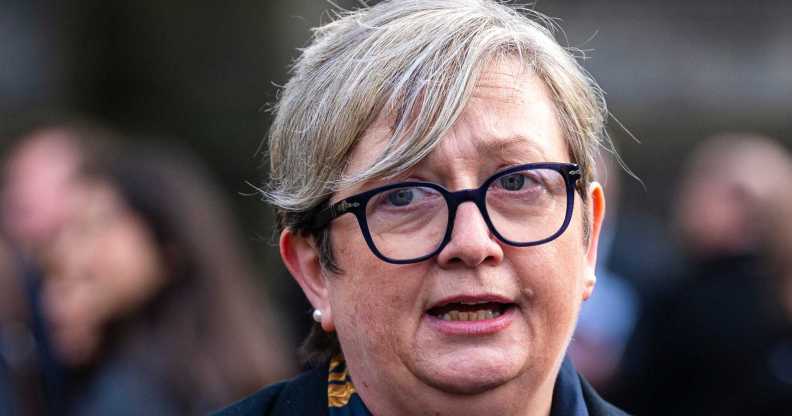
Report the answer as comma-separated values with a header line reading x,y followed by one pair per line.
x,y
455,315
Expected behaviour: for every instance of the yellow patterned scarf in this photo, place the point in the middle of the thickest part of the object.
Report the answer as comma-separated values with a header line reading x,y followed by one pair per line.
x,y
342,399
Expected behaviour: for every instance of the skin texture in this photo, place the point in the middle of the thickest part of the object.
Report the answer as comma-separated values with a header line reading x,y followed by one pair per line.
x,y
401,364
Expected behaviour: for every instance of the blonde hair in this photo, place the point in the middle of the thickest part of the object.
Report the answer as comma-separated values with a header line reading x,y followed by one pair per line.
x,y
418,62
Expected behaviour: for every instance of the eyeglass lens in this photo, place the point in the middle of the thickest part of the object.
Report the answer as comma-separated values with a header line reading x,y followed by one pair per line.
x,y
523,206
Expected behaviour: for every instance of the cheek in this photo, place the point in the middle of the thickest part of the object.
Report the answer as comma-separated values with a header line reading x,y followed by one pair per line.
x,y
547,273
375,296
552,275
374,304
365,318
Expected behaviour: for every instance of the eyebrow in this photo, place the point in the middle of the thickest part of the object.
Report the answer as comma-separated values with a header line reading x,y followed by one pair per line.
x,y
500,146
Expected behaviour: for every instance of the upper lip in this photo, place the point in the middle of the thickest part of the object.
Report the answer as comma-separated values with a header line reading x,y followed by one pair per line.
x,y
471,299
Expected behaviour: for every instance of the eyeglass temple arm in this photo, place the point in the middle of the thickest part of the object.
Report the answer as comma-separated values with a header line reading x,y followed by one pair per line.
x,y
330,213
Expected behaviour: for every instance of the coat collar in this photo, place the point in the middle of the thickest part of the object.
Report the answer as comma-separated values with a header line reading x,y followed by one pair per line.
x,y
568,399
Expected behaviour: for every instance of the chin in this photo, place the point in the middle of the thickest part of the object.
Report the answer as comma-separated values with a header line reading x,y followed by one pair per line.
x,y
465,387
469,375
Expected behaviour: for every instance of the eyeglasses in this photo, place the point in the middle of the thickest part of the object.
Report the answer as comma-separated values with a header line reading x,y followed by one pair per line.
x,y
409,222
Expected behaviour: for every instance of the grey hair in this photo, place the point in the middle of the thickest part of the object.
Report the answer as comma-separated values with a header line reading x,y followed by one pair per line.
x,y
417,62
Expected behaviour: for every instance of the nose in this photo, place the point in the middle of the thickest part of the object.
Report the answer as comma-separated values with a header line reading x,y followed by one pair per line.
x,y
472,243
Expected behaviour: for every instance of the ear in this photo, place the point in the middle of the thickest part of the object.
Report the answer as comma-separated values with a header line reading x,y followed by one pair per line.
x,y
301,257
596,208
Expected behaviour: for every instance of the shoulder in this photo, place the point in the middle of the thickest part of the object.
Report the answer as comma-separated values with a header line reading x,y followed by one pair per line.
x,y
303,395
596,405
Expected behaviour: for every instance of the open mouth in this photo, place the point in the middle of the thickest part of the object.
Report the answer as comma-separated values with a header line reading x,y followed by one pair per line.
x,y
470,311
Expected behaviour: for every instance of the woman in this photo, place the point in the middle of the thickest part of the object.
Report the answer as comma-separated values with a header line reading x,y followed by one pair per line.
x,y
431,164
148,296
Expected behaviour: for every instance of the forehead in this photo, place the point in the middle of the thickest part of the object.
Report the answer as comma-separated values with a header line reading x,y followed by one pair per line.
x,y
510,116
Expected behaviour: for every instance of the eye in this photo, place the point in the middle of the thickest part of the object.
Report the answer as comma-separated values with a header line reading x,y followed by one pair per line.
x,y
401,197
513,182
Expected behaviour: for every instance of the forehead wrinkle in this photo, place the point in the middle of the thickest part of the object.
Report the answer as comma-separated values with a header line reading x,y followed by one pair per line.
x,y
499,78
505,89
491,143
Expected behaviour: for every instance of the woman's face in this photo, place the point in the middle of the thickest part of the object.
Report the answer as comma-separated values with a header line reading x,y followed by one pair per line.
x,y
103,265
399,353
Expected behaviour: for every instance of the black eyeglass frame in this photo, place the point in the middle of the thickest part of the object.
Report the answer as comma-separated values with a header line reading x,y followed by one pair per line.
x,y
356,204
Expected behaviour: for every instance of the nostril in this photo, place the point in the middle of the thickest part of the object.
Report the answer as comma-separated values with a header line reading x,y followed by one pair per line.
x,y
471,253
472,241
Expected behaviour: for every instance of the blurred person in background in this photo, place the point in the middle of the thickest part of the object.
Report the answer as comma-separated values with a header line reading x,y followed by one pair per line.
x,y
38,173
728,178
149,296
703,343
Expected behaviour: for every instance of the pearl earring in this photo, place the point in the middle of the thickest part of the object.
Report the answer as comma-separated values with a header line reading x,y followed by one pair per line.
x,y
317,315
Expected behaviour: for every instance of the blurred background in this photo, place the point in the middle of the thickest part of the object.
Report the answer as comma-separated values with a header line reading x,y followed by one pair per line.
x,y
187,84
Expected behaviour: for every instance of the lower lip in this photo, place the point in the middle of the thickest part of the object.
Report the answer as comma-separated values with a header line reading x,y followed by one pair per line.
x,y
472,328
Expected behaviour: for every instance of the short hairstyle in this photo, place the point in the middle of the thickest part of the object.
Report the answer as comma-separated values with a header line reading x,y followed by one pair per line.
x,y
417,61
